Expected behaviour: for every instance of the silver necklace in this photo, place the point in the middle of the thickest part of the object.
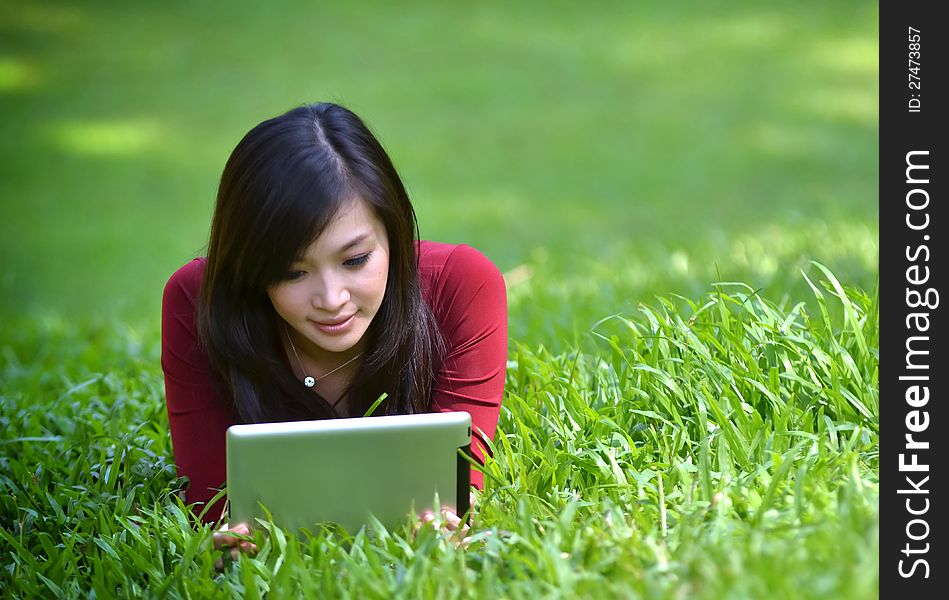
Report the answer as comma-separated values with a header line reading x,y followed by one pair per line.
x,y
307,380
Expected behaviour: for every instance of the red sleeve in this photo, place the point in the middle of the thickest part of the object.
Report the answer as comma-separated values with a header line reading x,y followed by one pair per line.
x,y
470,304
197,416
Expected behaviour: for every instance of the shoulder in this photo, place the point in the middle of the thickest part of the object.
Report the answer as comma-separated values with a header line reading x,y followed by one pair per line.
x,y
459,283
448,259
444,266
184,284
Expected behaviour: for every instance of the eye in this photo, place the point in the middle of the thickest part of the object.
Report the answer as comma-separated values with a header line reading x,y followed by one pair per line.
x,y
357,261
293,275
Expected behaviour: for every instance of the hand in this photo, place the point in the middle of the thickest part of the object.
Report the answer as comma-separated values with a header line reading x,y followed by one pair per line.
x,y
451,524
224,540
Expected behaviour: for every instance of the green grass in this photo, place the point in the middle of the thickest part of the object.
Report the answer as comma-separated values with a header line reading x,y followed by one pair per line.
x,y
722,447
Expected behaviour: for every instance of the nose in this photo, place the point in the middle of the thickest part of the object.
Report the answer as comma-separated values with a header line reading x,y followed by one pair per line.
x,y
330,296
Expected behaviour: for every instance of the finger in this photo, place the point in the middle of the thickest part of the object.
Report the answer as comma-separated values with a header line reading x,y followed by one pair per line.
x,y
219,564
423,518
223,538
234,534
235,554
462,539
222,541
460,534
467,540
452,521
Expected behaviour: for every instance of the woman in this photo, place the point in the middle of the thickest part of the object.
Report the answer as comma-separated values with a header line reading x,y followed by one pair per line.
x,y
316,297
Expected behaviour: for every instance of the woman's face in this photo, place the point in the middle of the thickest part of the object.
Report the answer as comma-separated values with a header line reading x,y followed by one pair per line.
x,y
334,290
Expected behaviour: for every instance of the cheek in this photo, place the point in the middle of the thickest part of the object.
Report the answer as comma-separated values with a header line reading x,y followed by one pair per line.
x,y
372,289
284,302
381,280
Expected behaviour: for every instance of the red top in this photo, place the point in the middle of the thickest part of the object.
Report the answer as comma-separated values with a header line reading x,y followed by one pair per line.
x,y
467,296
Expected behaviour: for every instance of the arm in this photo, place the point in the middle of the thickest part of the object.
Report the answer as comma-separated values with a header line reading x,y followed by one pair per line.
x,y
197,416
471,308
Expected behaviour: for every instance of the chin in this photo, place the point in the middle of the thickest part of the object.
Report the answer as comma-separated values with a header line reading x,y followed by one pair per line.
x,y
339,344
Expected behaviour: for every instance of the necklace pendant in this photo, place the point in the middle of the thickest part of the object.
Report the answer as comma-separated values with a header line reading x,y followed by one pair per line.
x,y
309,382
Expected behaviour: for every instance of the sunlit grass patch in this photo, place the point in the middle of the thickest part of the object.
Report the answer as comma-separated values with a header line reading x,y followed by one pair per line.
x,y
106,138
17,75
555,299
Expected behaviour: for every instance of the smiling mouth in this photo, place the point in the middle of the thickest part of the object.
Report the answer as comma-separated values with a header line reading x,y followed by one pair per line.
x,y
335,326
334,323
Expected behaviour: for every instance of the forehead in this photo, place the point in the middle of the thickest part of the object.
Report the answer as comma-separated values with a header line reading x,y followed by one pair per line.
x,y
354,224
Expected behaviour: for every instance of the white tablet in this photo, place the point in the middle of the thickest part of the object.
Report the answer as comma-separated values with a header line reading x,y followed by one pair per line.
x,y
342,470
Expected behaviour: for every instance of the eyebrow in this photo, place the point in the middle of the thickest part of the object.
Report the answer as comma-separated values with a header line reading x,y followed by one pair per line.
x,y
353,242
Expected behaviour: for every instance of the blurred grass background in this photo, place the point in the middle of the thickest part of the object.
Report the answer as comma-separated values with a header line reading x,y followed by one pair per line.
x,y
598,153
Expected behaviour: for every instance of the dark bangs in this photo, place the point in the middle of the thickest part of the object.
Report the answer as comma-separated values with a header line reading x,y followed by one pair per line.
x,y
292,219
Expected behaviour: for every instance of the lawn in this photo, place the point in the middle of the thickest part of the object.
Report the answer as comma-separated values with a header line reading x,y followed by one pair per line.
x,y
682,196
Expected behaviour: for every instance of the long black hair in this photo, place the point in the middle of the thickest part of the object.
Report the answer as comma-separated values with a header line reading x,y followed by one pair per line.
x,y
281,186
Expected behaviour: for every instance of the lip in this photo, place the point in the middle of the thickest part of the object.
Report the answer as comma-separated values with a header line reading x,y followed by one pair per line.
x,y
337,326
